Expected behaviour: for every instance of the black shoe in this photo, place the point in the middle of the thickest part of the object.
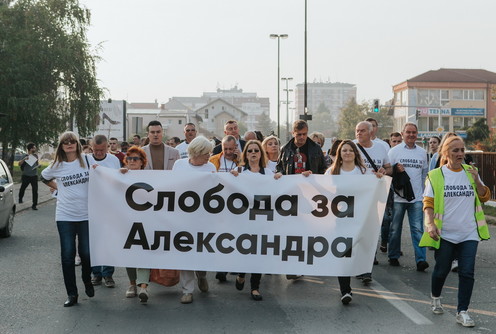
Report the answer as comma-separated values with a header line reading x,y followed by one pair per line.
x,y
20,201
96,280
366,278
394,262
240,285
71,301
256,297
422,265
34,207
222,277
383,247
89,289
346,298
293,276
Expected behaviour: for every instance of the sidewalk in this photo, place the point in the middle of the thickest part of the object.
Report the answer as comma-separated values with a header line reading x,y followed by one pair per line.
x,y
44,195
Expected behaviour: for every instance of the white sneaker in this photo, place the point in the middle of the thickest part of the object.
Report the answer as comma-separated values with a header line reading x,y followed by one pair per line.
x,y
454,266
143,295
132,291
346,298
436,306
464,319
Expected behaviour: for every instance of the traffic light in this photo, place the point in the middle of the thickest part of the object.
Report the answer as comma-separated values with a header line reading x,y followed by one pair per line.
x,y
376,105
417,114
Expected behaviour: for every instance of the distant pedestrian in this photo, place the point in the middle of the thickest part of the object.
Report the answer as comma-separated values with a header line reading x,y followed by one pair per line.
x,y
29,165
189,134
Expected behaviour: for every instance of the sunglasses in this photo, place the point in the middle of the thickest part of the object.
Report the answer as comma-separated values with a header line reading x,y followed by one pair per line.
x,y
189,130
133,158
251,151
69,142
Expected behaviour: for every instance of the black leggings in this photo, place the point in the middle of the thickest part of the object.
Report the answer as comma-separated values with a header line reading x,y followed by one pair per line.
x,y
254,280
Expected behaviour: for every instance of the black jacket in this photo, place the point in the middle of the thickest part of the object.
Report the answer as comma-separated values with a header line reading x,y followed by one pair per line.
x,y
316,160
402,185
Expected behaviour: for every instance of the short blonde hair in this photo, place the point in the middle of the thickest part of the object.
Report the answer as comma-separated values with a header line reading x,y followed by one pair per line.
x,y
199,146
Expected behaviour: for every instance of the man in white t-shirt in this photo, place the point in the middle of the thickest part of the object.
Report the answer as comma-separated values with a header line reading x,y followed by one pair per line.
x,y
101,157
412,159
189,135
378,162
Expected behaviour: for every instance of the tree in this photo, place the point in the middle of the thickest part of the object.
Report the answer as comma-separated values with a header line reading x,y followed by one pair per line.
x,y
349,117
323,121
47,71
479,131
266,125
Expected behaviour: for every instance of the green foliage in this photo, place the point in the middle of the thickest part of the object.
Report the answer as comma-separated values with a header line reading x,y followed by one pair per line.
x,y
479,131
266,125
47,71
323,122
349,117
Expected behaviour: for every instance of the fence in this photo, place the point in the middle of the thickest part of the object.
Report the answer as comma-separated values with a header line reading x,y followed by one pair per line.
x,y
486,162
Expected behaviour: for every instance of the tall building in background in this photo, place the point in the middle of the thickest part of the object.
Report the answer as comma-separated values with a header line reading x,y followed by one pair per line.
x,y
334,95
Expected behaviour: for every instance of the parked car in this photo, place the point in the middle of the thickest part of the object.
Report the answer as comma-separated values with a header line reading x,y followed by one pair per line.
x,y
7,203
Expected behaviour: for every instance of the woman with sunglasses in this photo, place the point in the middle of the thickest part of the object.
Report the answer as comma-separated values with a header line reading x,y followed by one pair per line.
x,y
348,161
69,175
135,160
253,160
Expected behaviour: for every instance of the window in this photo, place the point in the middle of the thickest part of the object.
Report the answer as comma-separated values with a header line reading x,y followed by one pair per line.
x,y
4,179
137,124
206,113
479,94
179,121
444,97
457,94
468,94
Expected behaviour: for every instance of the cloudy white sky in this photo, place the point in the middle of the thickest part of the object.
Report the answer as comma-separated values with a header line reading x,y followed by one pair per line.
x,y
156,49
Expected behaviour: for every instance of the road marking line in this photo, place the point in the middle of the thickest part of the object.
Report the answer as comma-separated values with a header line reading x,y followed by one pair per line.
x,y
402,306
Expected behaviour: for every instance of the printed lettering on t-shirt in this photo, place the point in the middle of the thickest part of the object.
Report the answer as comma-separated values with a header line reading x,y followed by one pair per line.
x,y
74,179
377,163
458,190
411,163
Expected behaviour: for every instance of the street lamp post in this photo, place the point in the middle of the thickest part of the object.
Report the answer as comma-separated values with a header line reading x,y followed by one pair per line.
x,y
287,90
278,36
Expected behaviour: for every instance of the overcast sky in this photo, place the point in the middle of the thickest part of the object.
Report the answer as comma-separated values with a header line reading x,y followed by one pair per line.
x,y
156,49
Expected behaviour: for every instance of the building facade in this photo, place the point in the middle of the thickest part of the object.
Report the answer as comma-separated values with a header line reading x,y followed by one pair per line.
x,y
445,100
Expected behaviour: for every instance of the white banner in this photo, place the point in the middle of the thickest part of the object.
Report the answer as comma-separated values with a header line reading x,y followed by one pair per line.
x,y
317,225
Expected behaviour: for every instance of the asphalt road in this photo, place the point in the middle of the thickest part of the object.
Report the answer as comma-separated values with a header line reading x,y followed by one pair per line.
x,y
397,301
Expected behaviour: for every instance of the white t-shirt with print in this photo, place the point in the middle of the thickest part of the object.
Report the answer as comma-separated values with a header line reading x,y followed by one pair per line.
x,y
183,149
185,165
377,153
72,189
382,142
226,165
416,166
459,211
272,165
354,171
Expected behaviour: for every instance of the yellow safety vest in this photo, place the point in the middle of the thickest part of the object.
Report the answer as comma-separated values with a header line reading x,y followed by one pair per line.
x,y
436,178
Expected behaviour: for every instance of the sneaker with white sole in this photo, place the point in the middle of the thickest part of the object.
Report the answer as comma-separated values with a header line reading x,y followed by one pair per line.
x,y
132,291
454,266
143,295
187,298
464,319
436,306
346,298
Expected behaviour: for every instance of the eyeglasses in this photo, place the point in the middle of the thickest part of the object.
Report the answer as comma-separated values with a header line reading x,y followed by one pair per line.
x,y
251,151
190,130
69,142
133,158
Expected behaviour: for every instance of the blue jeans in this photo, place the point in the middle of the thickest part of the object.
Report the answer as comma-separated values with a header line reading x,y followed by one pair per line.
x,y
447,251
103,271
416,220
68,230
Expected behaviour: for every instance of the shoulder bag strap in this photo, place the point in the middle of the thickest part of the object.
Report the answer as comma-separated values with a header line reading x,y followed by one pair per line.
x,y
368,157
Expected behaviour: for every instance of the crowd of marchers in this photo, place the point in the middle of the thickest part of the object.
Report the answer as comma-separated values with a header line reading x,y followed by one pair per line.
x,y
451,223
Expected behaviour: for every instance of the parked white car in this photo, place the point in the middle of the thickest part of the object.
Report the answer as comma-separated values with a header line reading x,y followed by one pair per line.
x,y
7,204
